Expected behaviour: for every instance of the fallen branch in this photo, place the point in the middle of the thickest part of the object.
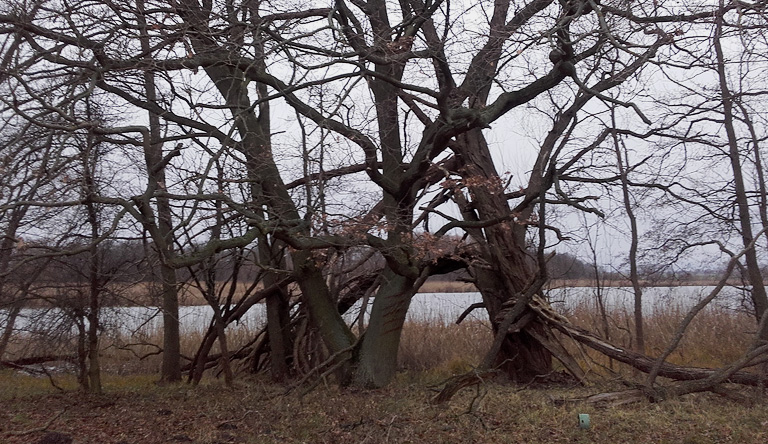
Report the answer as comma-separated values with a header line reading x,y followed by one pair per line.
x,y
646,364
20,364
612,399
458,382
38,429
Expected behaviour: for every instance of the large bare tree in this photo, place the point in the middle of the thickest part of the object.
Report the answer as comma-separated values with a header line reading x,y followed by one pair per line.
x,y
399,98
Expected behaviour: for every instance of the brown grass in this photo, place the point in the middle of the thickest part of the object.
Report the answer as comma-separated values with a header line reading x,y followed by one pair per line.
x,y
462,287
560,283
440,347
137,411
716,337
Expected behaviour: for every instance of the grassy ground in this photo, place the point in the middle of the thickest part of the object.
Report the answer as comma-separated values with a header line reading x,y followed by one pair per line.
x,y
136,411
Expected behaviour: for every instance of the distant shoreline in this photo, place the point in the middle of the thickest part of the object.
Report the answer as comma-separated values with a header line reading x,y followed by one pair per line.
x,y
463,287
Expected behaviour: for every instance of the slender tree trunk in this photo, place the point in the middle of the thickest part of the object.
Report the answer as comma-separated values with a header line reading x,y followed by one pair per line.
x,y
89,157
171,364
761,183
633,274
6,250
94,366
94,292
598,287
758,292
10,321
210,292
198,363
82,351
219,325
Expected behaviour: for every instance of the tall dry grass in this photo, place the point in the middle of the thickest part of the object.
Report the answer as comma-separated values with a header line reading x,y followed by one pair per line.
x,y
443,347
435,345
716,337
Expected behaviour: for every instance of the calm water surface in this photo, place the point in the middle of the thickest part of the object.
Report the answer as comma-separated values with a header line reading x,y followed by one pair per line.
x,y
428,307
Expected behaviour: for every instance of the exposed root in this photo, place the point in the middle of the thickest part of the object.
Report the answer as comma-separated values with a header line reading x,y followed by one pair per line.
x,y
458,382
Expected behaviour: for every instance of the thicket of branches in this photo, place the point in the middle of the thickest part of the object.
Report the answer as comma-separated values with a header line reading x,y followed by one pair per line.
x,y
341,151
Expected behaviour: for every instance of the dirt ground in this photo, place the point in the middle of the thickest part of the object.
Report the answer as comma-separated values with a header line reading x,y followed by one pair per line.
x,y
132,412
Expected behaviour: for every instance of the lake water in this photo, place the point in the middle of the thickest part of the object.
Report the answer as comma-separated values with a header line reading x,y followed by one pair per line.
x,y
428,307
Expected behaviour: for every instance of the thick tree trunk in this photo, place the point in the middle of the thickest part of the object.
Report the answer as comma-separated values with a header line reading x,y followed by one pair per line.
x,y
322,308
377,357
507,268
521,356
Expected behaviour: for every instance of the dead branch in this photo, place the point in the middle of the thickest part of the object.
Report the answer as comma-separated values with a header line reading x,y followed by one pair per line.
x,y
43,428
20,364
458,382
335,366
607,400
469,310
645,363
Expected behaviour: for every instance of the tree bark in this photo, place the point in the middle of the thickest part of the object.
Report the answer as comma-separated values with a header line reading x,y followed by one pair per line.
x,y
163,235
278,314
377,358
758,292
507,269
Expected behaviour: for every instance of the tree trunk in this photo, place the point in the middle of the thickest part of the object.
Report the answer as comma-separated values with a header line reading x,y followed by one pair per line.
x,y
10,321
278,314
89,158
323,312
377,357
171,365
758,292
163,235
6,250
94,292
197,367
507,267
621,159
82,350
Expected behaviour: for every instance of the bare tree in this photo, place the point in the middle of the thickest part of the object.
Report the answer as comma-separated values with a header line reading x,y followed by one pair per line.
x,y
406,102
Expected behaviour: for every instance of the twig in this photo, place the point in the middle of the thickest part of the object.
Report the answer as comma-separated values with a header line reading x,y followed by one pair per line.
x,y
317,368
50,378
39,429
469,310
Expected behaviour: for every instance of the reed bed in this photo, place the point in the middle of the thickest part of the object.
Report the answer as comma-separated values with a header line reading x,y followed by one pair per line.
x,y
434,344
